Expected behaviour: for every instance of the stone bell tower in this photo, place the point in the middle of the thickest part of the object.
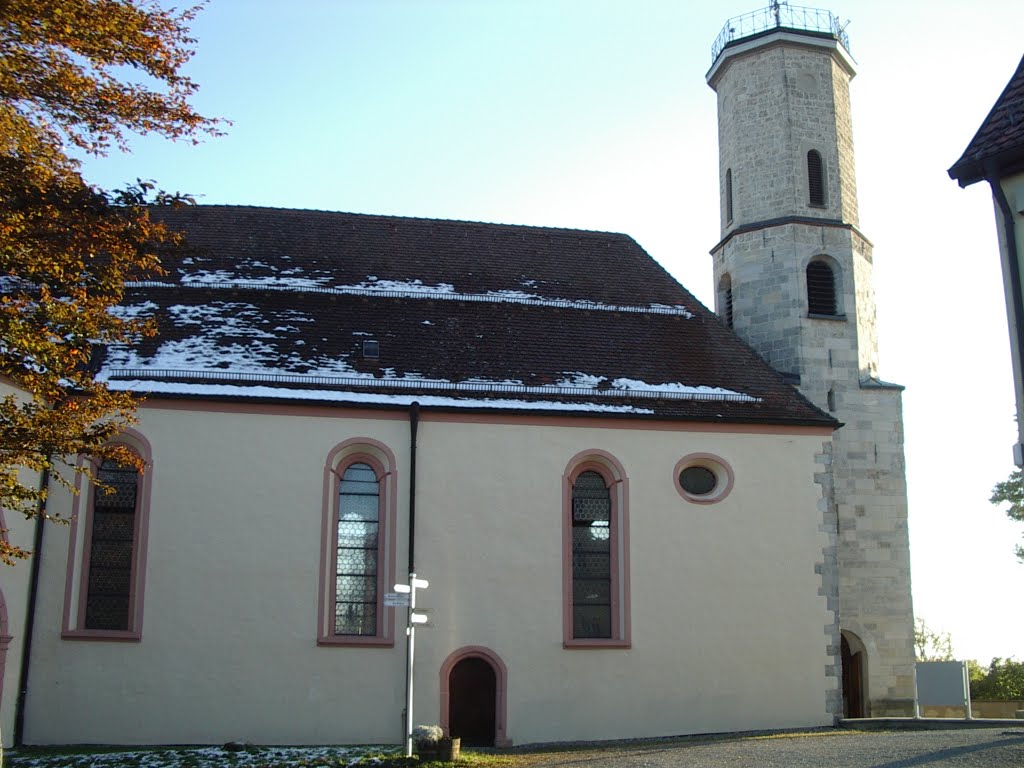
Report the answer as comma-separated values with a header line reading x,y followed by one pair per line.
x,y
793,276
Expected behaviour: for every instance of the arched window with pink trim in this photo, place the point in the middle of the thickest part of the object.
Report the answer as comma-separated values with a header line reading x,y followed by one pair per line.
x,y
105,583
595,536
358,544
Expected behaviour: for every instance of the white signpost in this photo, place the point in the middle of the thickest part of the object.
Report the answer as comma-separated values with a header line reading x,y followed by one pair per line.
x,y
405,595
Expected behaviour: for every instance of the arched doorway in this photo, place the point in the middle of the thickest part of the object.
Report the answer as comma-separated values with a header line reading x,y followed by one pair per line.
x,y
473,697
472,691
854,658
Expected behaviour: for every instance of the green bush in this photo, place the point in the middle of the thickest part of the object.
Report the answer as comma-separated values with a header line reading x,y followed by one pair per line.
x,y
1002,681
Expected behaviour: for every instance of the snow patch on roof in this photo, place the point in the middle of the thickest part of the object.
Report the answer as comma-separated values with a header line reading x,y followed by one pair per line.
x,y
133,311
635,385
339,375
580,380
414,289
373,283
322,395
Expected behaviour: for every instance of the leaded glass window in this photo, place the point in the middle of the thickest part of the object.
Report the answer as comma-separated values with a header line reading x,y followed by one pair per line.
x,y
591,557
355,596
111,549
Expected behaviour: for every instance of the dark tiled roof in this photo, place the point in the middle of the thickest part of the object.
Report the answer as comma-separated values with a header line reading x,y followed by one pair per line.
x,y
1000,139
278,303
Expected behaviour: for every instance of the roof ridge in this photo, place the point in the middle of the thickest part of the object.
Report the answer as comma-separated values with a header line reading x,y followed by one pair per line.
x,y
424,219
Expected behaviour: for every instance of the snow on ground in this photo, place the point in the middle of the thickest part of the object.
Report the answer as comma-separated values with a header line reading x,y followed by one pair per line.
x,y
196,757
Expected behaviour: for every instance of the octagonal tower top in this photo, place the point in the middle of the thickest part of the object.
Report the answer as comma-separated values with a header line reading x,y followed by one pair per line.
x,y
779,17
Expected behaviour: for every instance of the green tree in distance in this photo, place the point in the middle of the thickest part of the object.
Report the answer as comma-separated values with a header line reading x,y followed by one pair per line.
x,y
1011,491
76,75
930,645
1002,681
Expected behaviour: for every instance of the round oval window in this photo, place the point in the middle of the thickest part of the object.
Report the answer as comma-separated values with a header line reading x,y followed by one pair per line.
x,y
700,481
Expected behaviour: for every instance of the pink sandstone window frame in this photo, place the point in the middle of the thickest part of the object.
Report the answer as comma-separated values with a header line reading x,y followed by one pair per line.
x,y
723,472
80,544
5,635
501,739
358,450
5,627
611,470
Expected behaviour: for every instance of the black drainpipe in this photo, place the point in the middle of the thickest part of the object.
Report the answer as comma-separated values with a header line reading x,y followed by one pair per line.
x,y
1012,256
414,422
30,612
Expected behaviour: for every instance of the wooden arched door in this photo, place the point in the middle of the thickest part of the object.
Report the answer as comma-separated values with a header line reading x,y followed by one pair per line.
x,y
853,680
472,700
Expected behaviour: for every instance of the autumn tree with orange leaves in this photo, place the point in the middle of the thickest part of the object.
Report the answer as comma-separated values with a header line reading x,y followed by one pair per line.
x,y
87,75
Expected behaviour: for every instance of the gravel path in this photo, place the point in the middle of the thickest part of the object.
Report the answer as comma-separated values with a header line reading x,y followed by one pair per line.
x,y
975,747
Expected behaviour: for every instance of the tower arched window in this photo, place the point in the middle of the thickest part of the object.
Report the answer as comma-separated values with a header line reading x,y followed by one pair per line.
x,y
815,179
821,289
728,195
725,299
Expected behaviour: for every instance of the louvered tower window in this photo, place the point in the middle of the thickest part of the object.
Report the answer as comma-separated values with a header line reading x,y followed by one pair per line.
x,y
815,179
728,195
355,607
725,299
108,603
821,289
591,557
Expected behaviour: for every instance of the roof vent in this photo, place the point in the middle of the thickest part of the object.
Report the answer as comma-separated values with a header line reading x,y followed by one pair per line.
x,y
371,350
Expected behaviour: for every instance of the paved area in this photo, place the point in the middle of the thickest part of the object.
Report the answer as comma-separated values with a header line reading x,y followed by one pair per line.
x,y
966,748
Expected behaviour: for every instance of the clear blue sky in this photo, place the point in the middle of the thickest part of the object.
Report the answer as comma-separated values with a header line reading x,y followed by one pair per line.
x,y
595,114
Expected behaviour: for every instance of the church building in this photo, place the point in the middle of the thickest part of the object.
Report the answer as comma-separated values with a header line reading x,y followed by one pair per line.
x,y
637,517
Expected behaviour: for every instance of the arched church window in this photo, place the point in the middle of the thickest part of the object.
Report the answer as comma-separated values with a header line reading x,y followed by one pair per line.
x,y
815,179
728,195
113,545
821,289
105,590
591,556
725,299
357,548
595,552
355,610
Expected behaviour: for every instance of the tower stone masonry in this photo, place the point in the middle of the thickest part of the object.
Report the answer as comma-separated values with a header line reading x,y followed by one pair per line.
x,y
793,277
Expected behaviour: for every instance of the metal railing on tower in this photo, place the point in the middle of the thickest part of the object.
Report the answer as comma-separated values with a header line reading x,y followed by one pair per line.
x,y
780,15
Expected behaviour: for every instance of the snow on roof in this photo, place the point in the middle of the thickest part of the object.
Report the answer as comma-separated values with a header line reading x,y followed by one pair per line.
x,y
414,289
580,385
367,398
278,303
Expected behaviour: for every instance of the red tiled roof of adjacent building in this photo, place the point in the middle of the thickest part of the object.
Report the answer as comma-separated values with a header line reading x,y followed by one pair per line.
x,y
998,146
